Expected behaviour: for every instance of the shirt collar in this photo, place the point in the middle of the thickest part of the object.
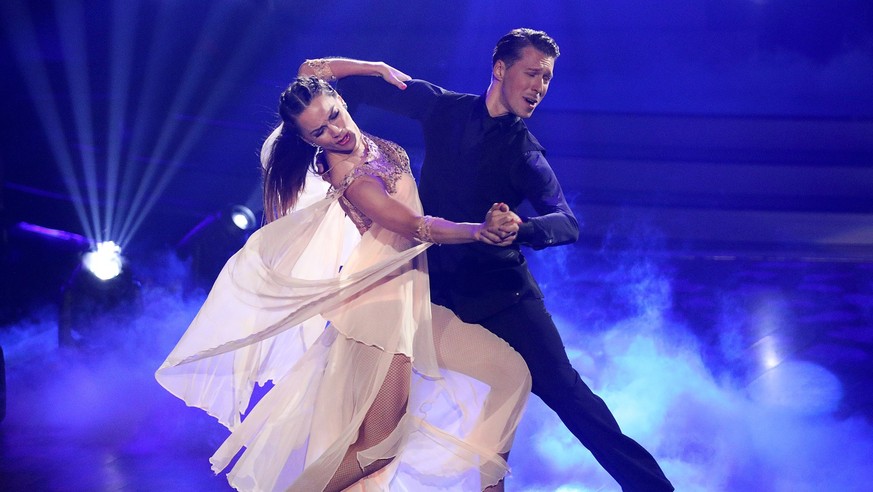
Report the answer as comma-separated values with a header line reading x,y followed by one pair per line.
x,y
501,122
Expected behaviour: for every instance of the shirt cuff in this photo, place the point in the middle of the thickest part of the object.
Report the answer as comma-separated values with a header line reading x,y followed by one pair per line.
x,y
526,232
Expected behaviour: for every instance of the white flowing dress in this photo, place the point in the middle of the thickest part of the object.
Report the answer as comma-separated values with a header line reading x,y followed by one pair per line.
x,y
291,309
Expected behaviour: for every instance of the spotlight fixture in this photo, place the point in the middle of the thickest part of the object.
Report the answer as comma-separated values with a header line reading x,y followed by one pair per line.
x,y
242,217
104,262
100,299
213,240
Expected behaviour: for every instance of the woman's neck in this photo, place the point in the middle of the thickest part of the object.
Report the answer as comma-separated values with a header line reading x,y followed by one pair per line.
x,y
341,163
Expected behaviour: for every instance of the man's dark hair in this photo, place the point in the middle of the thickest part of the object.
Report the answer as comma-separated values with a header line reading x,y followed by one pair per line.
x,y
509,47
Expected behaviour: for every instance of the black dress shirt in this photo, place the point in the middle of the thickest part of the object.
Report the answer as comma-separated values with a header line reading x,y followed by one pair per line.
x,y
471,162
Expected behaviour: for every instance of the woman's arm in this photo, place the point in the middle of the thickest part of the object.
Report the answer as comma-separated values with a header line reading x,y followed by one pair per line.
x,y
368,194
331,69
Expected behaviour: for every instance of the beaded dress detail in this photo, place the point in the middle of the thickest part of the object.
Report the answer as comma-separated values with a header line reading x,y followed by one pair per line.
x,y
385,160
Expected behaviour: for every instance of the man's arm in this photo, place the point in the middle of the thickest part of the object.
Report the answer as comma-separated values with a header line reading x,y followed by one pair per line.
x,y
555,225
364,82
417,101
331,69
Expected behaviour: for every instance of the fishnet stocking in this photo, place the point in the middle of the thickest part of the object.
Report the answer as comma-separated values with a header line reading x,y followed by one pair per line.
x,y
381,419
476,352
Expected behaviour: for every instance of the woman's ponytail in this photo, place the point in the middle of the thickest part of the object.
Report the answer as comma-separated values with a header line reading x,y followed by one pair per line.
x,y
285,157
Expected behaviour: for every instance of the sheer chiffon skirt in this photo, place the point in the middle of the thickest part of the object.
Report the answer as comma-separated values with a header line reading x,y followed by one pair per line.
x,y
445,433
392,393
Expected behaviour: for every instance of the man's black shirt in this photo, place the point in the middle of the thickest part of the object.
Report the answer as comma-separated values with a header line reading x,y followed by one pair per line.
x,y
471,162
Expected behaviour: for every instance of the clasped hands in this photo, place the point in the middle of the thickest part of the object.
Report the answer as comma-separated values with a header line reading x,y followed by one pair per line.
x,y
500,227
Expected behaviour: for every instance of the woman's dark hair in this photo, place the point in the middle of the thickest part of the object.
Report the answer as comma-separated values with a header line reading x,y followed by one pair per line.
x,y
289,156
509,47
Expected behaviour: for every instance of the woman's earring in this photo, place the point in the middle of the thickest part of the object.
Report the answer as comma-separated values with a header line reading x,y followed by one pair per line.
x,y
307,142
313,166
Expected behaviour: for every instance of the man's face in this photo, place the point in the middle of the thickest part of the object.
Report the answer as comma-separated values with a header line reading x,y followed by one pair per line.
x,y
525,83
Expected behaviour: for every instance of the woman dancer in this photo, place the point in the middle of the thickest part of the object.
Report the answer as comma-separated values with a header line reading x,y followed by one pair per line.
x,y
373,386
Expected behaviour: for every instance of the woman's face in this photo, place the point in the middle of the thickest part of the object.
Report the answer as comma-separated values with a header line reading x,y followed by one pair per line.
x,y
327,123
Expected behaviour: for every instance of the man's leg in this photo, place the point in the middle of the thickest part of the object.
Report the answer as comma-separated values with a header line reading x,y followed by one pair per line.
x,y
529,329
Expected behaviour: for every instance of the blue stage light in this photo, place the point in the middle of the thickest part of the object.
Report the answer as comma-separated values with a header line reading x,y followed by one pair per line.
x,y
242,217
213,240
105,262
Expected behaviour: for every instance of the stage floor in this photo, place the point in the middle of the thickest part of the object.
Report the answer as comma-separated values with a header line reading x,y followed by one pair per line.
x,y
736,373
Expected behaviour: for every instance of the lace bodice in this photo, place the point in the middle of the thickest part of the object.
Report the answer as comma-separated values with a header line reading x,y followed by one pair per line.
x,y
386,161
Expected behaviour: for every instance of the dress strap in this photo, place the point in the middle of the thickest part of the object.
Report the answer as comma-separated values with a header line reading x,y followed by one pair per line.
x,y
365,167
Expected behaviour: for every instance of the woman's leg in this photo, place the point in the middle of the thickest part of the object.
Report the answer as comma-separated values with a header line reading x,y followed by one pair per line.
x,y
381,419
476,352
497,487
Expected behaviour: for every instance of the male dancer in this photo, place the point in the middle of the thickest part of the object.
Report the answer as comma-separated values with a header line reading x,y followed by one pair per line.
x,y
478,151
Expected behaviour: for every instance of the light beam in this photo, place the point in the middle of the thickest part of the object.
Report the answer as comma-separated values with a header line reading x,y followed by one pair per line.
x,y
219,91
33,68
71,18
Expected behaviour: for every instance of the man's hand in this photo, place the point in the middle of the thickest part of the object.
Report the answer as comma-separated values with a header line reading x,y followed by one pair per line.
x,y
392,75
500,227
